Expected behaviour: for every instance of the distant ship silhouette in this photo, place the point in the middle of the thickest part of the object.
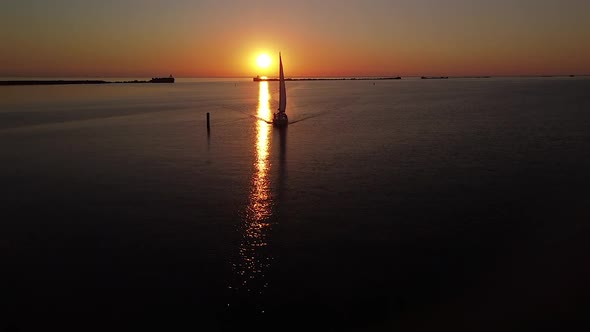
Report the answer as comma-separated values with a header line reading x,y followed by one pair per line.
x,y
168,79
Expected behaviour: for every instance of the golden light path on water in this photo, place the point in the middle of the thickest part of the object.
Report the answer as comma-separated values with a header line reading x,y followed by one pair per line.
x,y
259,207
254,257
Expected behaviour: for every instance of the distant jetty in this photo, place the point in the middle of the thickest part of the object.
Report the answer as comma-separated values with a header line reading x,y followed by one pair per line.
x,y
169,79
447,77
52,82
265,79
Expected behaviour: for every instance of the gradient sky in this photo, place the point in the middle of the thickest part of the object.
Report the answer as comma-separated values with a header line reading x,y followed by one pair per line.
x,y
221,38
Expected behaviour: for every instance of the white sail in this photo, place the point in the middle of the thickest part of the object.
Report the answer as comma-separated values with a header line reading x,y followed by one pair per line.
x,y
280,119
282,90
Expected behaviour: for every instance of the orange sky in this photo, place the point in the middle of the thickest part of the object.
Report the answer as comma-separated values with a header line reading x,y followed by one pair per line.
x,y
317,38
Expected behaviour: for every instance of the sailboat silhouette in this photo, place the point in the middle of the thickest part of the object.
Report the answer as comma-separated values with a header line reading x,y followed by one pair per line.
x,y
280,119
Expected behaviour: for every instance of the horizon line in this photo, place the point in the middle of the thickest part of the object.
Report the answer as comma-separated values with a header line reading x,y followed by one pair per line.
x,y
298,76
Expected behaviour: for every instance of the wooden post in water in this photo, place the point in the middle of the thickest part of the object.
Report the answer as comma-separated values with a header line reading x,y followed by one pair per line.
x,y
208,127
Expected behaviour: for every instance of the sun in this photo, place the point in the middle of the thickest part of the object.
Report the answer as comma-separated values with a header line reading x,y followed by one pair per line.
x,y
263,60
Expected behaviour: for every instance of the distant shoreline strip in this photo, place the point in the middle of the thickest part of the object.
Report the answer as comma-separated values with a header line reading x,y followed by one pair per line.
x,y
56,82
255,79
260,79
52,82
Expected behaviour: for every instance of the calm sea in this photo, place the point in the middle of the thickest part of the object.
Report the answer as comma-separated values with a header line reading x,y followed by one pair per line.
x,y
408,204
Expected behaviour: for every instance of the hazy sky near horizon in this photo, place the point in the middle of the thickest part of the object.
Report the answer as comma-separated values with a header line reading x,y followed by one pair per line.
x,y
192,38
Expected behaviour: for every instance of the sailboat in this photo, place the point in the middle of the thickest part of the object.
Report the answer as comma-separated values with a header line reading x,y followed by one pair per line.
x,y
280,119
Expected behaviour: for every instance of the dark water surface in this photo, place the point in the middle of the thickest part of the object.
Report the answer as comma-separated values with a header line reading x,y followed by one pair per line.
x,y
416,205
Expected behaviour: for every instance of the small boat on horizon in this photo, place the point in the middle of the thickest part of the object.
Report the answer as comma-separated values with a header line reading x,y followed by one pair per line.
x,y
280,119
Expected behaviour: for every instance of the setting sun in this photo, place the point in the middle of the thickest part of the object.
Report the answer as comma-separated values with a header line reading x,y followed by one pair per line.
x,y
263,60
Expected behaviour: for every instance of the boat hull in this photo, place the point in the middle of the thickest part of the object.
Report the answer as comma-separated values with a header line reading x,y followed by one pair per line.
x,y
280,120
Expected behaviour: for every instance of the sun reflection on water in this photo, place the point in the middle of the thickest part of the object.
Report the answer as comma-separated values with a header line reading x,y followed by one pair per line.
x,y
254,257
